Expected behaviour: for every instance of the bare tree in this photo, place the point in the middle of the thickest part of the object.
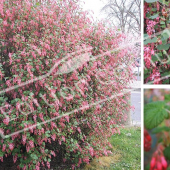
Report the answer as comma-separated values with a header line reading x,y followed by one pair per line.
x,y
125,14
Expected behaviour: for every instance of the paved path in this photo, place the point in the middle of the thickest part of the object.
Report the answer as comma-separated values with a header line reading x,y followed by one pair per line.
x,y
136,101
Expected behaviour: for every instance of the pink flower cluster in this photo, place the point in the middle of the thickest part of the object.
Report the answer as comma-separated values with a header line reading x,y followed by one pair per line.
x,y
150,27
148,52
158,160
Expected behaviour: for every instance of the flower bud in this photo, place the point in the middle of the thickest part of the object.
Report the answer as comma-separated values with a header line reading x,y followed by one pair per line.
x,y
153,162
163,161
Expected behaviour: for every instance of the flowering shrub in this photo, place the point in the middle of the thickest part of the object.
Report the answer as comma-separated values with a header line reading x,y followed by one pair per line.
x,y
56,99
156,41
157,120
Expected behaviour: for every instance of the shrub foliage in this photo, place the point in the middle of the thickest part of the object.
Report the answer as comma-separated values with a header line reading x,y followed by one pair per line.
x,y
60,83
156,41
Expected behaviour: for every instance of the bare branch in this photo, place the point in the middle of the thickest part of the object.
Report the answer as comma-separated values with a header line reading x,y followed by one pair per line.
x,y
126,14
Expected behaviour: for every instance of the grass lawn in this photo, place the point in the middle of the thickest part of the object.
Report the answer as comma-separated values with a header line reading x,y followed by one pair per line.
x,y
126,152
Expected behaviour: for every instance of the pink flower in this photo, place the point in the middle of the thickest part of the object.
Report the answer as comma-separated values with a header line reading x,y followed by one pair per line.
x,y
67,118
1,158
6,121
27,148
164,162
73,167
158,160
153,161
24,137
3,147
11,146
79,161
15,158
150,27
53,136
48,165
79,130
37,167
10,58
63,138
53,153
59,142
91,150
31,143
5,23
152,52
53,125
86,159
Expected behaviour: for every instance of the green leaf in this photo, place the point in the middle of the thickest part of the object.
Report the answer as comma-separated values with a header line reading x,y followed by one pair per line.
x,y
146,71
1,154
39,127
163,47
154,16
165,74
33,156
31,94
154,58
1,99
162,22
164,2
167,152
160,129
163,26
21,165
154,114
154,9
146,36
165,81
151,1
165,35
168,62
148,40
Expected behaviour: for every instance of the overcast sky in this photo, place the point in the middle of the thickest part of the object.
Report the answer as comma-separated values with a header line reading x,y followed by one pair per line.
x,y
95,6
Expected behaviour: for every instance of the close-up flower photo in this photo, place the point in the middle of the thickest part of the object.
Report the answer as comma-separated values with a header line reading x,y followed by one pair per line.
x,y
156,129
156,41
